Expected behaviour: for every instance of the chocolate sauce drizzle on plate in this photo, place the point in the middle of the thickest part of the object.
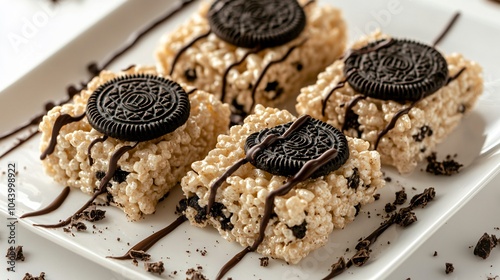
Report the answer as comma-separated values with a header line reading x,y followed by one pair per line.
x,y
73,90
58,201
363,247
149,241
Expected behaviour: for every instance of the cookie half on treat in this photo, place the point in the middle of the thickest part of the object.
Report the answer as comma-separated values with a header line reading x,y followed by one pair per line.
x,y
402,96
298,177
135,132
250,52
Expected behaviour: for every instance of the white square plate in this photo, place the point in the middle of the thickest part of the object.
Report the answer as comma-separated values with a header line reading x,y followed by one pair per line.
x,y
475,141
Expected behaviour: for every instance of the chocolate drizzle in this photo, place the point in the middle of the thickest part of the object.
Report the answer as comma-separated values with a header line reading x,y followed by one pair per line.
x,y
447,29
392,123
381,44
112,167
91,145
340,85
268,141
305,172
406,110
349,112
363,247
454,77
271,63
186,47
136,37
148,242
61,121
20,141
58,201
226,72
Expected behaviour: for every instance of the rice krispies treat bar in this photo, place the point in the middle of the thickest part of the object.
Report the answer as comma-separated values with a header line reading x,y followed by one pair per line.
x,y
325,35
151,169
415,134
315,206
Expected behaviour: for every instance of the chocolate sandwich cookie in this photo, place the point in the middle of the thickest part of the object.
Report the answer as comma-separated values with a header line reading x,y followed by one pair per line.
x,y
396,69
288,155
256,23
138,107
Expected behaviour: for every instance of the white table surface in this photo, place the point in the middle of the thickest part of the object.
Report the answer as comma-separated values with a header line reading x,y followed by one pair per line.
x,y
32,30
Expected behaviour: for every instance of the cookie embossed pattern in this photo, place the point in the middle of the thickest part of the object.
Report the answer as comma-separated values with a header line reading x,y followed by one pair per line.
x,y
174,247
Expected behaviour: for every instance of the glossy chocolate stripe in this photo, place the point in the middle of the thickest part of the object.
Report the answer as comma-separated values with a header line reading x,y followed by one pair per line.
x,y
447,29
58,201
61,121
266,68
186,47
91,145
112,167
149,241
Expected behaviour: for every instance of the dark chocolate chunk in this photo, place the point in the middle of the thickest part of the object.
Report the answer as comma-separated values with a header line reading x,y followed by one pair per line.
x,y
446,167
358,208
400,197
406,218
156,267
28,276
389,207
79,226
201,212
353,180
396,69
140,255
361,257
299,231
190,75
425,131
138,107
423,198
120,175
264,261
218,213
485,244
449,268
15,253
92,214
257,23
287,156
99,175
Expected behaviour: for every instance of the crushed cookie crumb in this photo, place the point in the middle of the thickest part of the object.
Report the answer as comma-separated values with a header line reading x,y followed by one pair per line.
x,y
449,268
156,267
264,261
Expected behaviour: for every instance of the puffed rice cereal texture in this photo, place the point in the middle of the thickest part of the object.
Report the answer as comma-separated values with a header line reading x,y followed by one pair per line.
x,y
416,134
151,169
203,65
304,218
